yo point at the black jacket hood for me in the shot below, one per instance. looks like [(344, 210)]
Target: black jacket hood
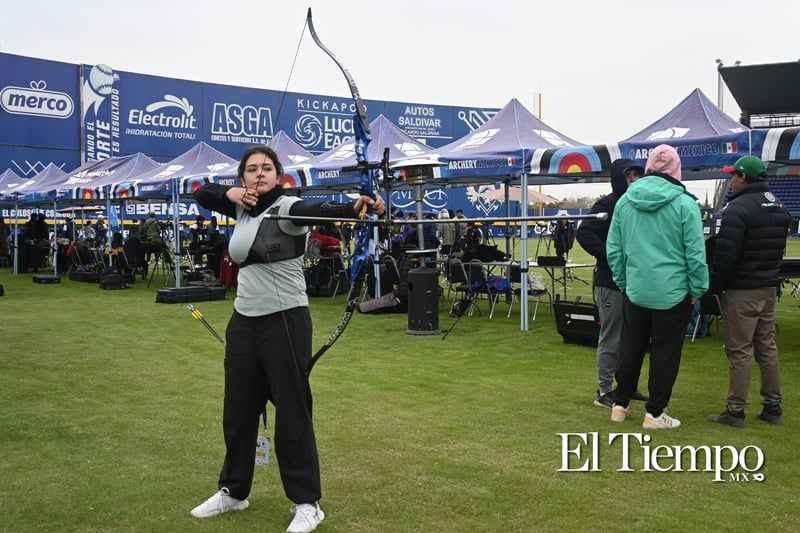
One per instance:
[(618, 183)]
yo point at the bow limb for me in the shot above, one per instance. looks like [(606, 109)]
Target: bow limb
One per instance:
[(361, 110), (361, 140)]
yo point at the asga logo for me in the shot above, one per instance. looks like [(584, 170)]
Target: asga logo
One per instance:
[(36, 101), (153, 116), (234, 119)]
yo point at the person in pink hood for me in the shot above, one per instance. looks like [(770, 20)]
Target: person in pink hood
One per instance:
[(657, 256)]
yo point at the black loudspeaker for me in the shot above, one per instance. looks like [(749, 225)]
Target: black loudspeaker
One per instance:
[(423, 301)]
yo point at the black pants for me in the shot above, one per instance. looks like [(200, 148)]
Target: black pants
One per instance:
[(660, 330), (265, 359)]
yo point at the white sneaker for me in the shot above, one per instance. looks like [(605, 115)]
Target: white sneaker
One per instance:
[(663, 421), (220, 502), (620, 413), (307, 517)]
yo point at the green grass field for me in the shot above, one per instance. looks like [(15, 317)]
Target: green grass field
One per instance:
[(111, 421)]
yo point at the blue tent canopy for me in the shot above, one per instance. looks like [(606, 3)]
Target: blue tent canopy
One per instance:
[(92, 181), (289, 153), (704, 136), (41, 186), (186, 172), (9, 181), (503, 146)]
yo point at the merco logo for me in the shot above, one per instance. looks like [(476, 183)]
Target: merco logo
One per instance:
[(36, 101)]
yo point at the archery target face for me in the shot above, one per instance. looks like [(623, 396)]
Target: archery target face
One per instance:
[(287, 181), (88, 193), (124, 190), (189, 185)]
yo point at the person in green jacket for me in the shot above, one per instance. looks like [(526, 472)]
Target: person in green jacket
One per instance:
[(657, 256)]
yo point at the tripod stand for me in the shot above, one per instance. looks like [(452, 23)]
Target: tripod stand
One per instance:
[(539, 231), (163, 262)]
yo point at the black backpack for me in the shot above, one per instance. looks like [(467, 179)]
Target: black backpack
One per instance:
[(112, 278)]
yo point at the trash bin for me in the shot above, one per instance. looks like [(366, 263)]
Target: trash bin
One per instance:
[(423, 305)]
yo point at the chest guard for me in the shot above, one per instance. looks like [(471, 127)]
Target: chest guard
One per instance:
[(272, 244)]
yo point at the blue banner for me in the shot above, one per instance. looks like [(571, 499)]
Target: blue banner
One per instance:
[(80, 113), (100, 113), (38, 103)]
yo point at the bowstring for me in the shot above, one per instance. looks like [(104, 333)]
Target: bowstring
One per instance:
[(272, 274), (291, 71)]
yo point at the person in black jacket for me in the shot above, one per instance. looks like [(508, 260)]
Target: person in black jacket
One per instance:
[(592, 235), (745, 271), (564, 237)]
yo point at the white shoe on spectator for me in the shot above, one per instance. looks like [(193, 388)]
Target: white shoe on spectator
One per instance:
[(663, 421), (620, 413)]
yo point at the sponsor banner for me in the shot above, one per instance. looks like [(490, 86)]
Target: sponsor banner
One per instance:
[(163, 210), (100, 112), (320, 123), (236, 118), (158, 116), (707, 152), (86, 113), (38, 103), (27, 162), (429, 124)]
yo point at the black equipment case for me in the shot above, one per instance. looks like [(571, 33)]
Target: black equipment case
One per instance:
[(577, 322), (176, 295), (45, 278)]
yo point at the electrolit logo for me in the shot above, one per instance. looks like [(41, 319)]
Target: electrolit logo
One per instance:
[(36, 101)]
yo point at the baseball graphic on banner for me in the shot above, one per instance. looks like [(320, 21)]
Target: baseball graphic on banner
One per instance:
[(101, 79)]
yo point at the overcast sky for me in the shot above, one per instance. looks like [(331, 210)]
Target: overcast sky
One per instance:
[(605, 70)]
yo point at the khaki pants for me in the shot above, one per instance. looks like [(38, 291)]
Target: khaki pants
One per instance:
[(750, 332)]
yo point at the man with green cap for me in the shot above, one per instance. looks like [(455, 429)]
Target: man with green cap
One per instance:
[(745, 273)]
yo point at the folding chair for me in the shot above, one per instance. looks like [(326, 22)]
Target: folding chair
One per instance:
[(458, 281), (710, 306), (515, 277), (454, 273), (479, 283)]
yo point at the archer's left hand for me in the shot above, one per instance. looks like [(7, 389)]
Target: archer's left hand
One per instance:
[(377, 204)]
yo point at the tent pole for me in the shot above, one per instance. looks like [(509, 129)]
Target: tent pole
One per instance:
[(54, 250), (108, 232), (177, 232), (523, 282), (16, 237)]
